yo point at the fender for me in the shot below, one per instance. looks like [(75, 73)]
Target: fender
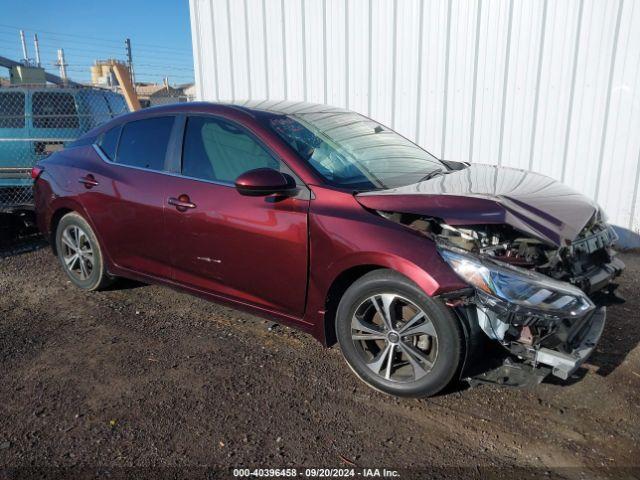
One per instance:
[(342, 237), (414, 272)]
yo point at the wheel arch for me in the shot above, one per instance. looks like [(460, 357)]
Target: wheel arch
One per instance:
[(354, 268), (334, 294), (62, 208), (53, 225)]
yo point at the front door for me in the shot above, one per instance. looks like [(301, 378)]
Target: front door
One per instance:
[(250, 249)]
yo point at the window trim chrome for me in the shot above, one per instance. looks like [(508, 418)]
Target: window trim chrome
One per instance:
[(106, 159), (180, 125)]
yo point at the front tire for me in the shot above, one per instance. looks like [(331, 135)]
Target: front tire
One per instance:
[(80, 254), (396, 338)]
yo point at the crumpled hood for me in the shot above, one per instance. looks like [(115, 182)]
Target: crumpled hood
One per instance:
[(486, 194)]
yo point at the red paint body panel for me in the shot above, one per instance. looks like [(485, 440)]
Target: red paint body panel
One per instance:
[(272, 256), (344, 235), (129, 216), (252, 249)]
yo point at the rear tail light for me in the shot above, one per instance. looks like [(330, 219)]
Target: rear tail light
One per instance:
[(36, 171)]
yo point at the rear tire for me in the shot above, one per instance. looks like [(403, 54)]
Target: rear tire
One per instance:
[(396, 338), (80, 254)]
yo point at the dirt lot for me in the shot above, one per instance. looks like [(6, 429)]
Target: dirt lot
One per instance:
[(145, 376)]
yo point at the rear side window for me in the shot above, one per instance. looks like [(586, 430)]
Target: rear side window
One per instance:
[(219, 151), (54, 110), (108, 142), (12, 110), (143, 143)]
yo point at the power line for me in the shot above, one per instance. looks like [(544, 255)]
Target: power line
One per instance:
[(143, 73), (157, 69), (91, 53), (49, 59), (113, 49), (172, 68), (96, 56), (177, 66), (61, 34), (86, 37), (155, 76)]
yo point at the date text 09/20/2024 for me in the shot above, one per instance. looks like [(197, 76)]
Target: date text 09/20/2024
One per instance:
[(316, 472)]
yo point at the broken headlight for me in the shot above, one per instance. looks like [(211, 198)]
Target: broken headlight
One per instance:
[(528, 290)]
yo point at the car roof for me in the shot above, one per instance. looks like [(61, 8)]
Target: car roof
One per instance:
[(284, 107), (252, 107)]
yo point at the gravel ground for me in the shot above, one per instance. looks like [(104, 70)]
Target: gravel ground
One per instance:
[(143, 376)]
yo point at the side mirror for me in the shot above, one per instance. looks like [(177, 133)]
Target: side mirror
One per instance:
[(265, 181)]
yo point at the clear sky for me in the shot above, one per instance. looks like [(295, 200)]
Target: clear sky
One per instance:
[(88, 30)]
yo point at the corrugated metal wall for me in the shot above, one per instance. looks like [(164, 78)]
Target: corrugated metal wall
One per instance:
[(552, 86)]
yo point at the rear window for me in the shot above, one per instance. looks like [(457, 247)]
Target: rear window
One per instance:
[(143, 143), (108, 142), (12, 110), (54, 110)]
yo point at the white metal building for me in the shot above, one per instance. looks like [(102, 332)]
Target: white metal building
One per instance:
[(547, 85)]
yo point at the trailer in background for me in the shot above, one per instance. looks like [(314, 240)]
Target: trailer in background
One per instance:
[(36, 120)]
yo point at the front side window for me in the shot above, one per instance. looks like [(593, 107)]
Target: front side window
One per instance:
[(218, 150), (12, 110), (54, 110), (351, 151), (143, 143)]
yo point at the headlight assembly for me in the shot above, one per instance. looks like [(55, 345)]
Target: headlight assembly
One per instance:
[(529, 291)]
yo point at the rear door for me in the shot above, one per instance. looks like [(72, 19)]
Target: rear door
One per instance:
[(125, 192), (250, 249)]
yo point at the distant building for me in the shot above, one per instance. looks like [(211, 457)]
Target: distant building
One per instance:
[(102, 73), (27, 75), (152, 94), (189, 90)]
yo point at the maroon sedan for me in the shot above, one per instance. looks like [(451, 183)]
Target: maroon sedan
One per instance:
[(425, 271)]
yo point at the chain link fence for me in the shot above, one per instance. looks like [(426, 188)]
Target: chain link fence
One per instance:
[(38, 120)]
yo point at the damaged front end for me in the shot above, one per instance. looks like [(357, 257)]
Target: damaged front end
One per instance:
[(546, 305)]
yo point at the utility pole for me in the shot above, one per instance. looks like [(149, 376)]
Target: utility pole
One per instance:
[(25, 54), (127, 44), (37, 47), (62, 65)]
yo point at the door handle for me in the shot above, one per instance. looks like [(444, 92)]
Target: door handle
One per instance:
[(88, 181), (182, 203)]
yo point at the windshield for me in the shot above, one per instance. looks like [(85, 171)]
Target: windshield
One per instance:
[(351, 151)]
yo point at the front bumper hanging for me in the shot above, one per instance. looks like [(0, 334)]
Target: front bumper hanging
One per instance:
[(585, 340), (528, 365)]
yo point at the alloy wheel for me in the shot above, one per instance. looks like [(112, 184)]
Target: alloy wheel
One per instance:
[(77, 252), (394, 337)]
